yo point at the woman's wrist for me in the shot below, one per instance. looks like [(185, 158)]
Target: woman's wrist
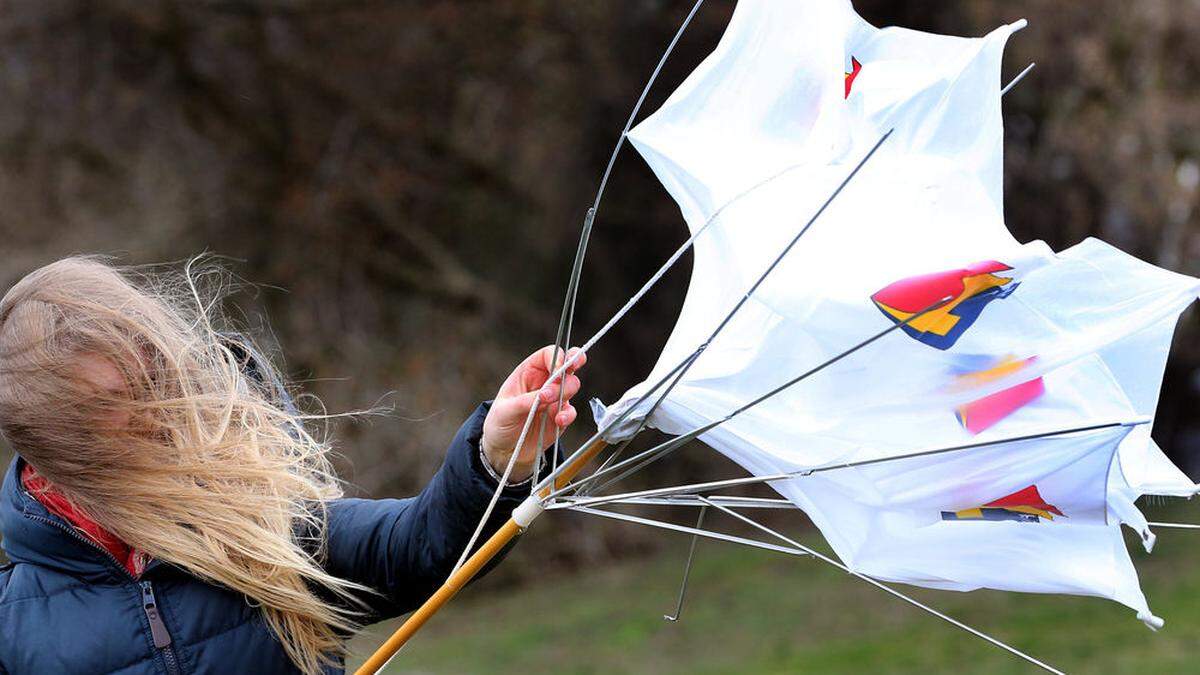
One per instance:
[(495, 461)]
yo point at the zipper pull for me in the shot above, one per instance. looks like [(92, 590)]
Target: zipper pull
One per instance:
[(158, 629)]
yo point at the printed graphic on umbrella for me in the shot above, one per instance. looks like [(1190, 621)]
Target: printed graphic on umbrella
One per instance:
[(1023, 506), (855, 66), (972, 288)]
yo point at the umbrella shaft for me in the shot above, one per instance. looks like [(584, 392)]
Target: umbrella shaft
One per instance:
[(478, 560), (449, 589)]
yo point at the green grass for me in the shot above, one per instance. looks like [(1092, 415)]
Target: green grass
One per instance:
[(758, 612)]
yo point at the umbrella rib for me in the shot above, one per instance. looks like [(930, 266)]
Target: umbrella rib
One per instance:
[(687, 568), (687, 362), (584, 486), (800, 473), (567, 317), (887, 589), (581, 485), (798, 549), (642, 99), (1016, 80), (635, 298), (694, 500), (684, 529), (659, 451)]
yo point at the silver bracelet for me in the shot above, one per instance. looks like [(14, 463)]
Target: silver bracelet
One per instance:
[(491, 470)]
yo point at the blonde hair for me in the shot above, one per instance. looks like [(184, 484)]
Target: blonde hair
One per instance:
[(190, 459)]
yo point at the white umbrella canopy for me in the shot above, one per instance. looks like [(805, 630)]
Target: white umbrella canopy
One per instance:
[(995, 339)]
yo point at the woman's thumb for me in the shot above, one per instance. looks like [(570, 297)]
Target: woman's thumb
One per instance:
[(514, 409)]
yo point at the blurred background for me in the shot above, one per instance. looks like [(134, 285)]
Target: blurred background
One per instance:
[(403, 184)]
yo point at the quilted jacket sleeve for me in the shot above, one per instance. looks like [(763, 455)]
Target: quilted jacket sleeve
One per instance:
[(405, 548)]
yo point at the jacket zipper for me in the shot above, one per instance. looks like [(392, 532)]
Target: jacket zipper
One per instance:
[(158, 629), (80, 538)]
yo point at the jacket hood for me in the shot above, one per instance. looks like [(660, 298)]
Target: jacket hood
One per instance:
[(34, 535)]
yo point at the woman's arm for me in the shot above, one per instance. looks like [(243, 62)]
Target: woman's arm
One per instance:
[(405, 548)]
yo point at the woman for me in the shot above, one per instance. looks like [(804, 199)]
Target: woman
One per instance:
[(170, 511)]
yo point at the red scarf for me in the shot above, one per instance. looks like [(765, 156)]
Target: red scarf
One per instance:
[(132, 559)]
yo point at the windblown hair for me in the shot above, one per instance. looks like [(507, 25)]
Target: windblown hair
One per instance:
[(190, 458)]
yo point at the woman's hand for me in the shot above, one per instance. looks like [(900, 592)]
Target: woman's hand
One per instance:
[(528, 385)]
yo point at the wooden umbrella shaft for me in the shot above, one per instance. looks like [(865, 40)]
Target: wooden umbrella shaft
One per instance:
[(476, 562)]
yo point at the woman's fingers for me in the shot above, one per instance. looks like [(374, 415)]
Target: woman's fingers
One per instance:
[(514, 409), (536, 370), (528, 386), (565, 417), (531, 373), (580, 358), (551, 392), (544, 359), (510, 411)]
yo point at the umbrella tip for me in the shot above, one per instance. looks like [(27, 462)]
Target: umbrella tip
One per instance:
[(1152, 622)]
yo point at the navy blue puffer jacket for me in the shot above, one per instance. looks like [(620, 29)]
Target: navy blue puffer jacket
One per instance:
[(67, 606)]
